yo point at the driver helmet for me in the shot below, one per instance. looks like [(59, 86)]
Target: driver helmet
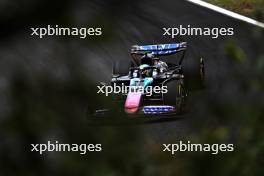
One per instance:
[(145, 73)]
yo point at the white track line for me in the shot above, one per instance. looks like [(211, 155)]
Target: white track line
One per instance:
[(227, 12)]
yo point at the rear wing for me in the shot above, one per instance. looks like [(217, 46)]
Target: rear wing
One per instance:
[(160, 49)]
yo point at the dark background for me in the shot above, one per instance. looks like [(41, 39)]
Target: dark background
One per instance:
[(46, 85)]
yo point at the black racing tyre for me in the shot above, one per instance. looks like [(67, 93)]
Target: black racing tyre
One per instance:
[(194, 73), (99, 105), (98, 100), (94, 106), (121, 67), (176, 95)]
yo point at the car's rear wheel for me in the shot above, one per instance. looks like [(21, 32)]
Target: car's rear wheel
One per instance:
[(194, 74), (176, 95)]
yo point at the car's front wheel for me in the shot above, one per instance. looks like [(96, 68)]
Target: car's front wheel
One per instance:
[(121, 67)]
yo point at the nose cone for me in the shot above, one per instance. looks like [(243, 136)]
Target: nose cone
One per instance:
[(131, 110), (132, 102)]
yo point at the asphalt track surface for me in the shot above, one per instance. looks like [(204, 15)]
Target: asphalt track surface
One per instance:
[(125, 24), (146, 28)]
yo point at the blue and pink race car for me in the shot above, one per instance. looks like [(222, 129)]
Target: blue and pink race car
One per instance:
[(151, 83)]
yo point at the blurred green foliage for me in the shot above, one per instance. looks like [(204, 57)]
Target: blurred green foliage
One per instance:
[(43, 107), (251, 8)]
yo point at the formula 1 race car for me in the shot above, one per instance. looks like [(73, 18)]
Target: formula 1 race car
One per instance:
[(147, 84)]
